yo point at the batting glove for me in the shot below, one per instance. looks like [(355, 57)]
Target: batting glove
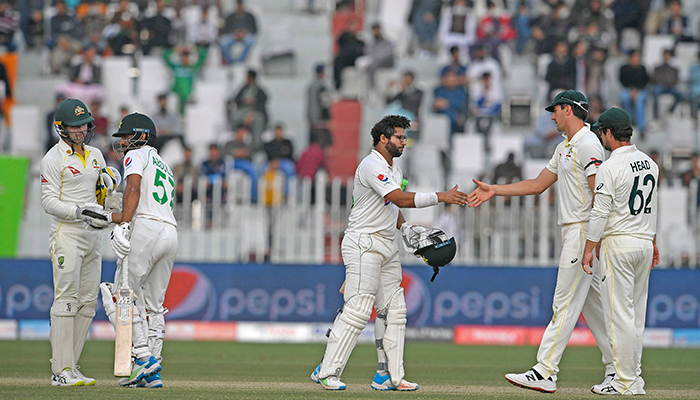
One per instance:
[(120, 239), (412, 235), (94, 216)]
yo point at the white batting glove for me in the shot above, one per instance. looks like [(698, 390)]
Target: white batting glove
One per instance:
[(94, 216), (120, 239), (412, 235), (110, 177)]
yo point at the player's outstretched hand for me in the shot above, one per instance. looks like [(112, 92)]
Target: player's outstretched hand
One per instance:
[(587, 262), (453, 196), (481, 194)]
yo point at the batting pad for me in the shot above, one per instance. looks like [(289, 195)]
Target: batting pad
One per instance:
[(81, 326), (394, 336), (343, 335), (61, 337)]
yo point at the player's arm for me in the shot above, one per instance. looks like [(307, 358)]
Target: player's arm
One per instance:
[(420, 200), (52, 181), (591, 184), (132, 195), (484, 191), (596, 227), (655, 258), (400, 221)]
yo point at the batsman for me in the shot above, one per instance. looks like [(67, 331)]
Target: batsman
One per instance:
[(371, 256), (147, 234), (74, 186)]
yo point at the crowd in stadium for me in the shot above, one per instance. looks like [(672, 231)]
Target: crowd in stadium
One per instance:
[(472, 43)]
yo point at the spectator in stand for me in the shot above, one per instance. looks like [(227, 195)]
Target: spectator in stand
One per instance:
[(677, 24), (51, 134), (380, 54), (633, 94), (424, 20), (9, 22), (457, 27), (184, 70), (593, 35), (548, 29), (487, 105), (545, 137), (497, 23), (451, 99), (5, 80), (483, 63), (102, 139), (238, 35), (88, 71), (456, 66), (123, 31), (318, 101), (251, 109), (665, 79), (596, 75), (561, 72), (204, 32), (694, 88), (155, 31), (92, 25), (312, 159), (596, 12), (579, 52), (350, 48), (186, 169), (628, 14), (31, 21), (241, 150), (215, 170), (509, 171), (409, 97), (692, 174), (521, 24), (663, 172), (167, 124), (64, 39), (282, 150)]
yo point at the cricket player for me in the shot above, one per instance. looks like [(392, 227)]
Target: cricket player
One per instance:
[(371, 256), (148, 235), (71, 172), (624, 216), (573, 166)]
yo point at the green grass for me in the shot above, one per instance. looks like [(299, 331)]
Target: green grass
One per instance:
[(204, 370)]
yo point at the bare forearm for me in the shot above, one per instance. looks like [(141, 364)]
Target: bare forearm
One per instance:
[(131, 200), (522, 188)]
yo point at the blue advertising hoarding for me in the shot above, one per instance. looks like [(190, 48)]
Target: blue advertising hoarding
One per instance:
[(309, 293)]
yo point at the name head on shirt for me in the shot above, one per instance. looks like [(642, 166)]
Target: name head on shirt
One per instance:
[(640, 165)]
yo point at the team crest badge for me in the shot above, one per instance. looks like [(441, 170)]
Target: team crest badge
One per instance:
[(61, 259), (95, 164), (79, 110)]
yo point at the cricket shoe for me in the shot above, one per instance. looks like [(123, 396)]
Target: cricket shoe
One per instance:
[(609, 389), (151, 382), (88, 381), (383, 382), (314, 375), (606, 382), (532, 380), (332, 383), (140, 370), (67, 377)]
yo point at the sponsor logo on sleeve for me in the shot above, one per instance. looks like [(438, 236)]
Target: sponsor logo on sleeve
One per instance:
[(127, 161), (600, 185), (383, 178), (44, 181)]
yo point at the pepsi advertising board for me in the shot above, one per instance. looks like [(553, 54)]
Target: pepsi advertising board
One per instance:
[(309, 293)]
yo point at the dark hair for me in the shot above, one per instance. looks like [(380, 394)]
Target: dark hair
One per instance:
[(621, 134), (580, 112), (213, 146), (409, 72), (252, 74), (387, 127), (454, 49)]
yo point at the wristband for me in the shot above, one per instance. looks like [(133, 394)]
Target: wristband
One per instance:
[(422, 200)]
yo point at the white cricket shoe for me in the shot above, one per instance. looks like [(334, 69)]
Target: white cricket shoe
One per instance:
[(314, 375), (332, 383), (67, 377), (532, 380), (606, 382), (88, 381), (383, 382), (609, 389)]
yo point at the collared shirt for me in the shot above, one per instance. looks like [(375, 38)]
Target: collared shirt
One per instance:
[(371, 213), (69, 180), (574, 161), (630, 179)]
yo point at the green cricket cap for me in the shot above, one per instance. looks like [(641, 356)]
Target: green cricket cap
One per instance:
[(570, 97), (614, 118)]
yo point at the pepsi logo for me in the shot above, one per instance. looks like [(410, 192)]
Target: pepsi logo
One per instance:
[(418, 300), (382, 178), (127, 162), (190, 295)]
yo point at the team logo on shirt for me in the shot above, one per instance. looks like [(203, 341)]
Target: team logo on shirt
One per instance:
[(44, 181), (74, 171), (127, 162), (600, 185), (95, 164), (382, 178), (61, 259)]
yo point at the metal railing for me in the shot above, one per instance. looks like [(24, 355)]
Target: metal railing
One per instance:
[(300, 222)]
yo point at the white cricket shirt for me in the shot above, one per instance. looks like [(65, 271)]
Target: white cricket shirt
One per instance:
[(157, 183), (371, 213), (631, 179), (574, 161), (68, 180)]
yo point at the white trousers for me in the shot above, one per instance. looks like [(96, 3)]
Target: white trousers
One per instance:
[(371, 266), (626, 263), (77, 262), (575, 292)]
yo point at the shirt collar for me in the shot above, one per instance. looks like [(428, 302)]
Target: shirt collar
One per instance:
[(380, 156), (65, 147), (581, 132), (624, 149)]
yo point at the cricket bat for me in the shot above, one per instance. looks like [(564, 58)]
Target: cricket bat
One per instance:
[(124, 320)]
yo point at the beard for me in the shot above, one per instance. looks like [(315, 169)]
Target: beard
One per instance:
[(394, 150)]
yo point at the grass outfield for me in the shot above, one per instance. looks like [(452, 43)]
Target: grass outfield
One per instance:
[(203, 370)]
